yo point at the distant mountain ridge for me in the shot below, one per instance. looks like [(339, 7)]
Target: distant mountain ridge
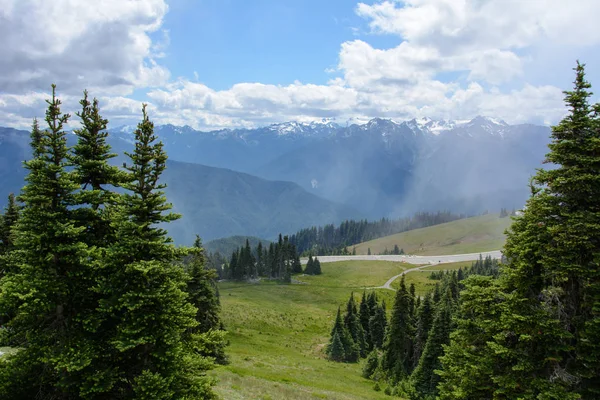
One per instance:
[(215, 202), (380, 167)]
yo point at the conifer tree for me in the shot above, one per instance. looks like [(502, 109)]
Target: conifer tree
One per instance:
[(145, 315), (364, 315), (310, 268), (352, 323), (336, 349), (424, 378), (351, 349), (202, 293), (377, 326), (317, 267), (47, 325), (398, 347), (371, 365), (423, 325), (96, 177), (8, 220)]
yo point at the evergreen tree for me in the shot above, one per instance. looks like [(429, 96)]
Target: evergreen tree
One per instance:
[(369, 251), (364, 316), (336, 349), (202, 293), (144, 314), (398, 346), (339, 331), (47, 326), (317, 267), (90, 157), (424, 378), (296, 264), (352, 323), (424, 322), (371, 365), (8, 220), (260, 260), (310, 267), (377, 326)]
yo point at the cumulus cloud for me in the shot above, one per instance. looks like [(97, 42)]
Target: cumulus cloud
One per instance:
[(454, 59), (102, 45)]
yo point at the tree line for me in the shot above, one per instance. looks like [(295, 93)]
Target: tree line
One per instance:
[(332, 240), (94, 296), (279, 261)]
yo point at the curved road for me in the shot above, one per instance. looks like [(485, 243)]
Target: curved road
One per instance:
[(423, 261)]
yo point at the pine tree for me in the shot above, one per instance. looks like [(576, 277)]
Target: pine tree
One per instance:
[(377, 326), (47, 325), (336, 349), (353, 325), (398, 346), (317, 267), (423, 325), (8, 221), (364, 316), (145, 315), (369, 251), (424, 378), (96, 177), (296, 264), (371, 365), (351, 349), (202, 293), (310, 268)]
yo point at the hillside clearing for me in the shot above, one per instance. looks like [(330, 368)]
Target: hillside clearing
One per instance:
[(470, 235), (278, 334)]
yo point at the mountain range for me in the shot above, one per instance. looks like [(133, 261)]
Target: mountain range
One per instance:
[(381, 167), (287, 176)]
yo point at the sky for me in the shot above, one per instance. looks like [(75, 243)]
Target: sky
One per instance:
[(215, 64)]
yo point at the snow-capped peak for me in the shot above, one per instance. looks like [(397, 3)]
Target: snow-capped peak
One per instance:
[(294, 127)]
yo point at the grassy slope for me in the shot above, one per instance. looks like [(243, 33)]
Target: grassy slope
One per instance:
[(471, 235), (278, 333)]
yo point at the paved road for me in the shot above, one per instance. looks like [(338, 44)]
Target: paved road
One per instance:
[(419, 260)]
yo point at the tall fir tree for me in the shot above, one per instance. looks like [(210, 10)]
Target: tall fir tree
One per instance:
[(202, 292), (423, 325), (145, 314), (364, 315), (90, 160), (8, 221), (398, 346), (352, 323), (424, 378), (44, 295)]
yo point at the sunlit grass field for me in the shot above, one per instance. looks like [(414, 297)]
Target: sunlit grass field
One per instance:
[(470, 235)]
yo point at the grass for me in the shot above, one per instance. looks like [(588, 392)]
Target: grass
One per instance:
[(278, 334), (470, 235)]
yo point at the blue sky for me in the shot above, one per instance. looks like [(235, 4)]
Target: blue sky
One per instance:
[(275, 42), (218, 64)]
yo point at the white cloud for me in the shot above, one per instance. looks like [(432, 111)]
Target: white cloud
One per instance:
[(103, 45), (455, 59)]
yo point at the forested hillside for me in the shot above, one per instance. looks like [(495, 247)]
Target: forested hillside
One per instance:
[(332, 240)]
